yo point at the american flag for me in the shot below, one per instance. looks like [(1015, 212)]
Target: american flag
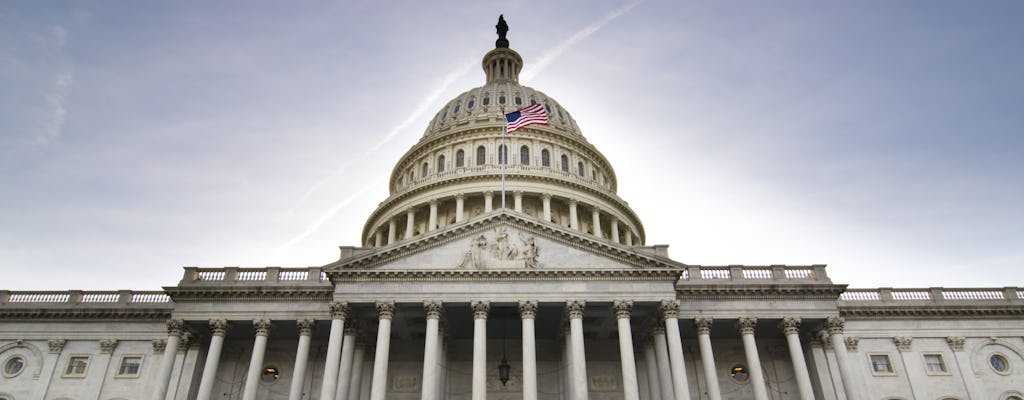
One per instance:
[(534, 114)]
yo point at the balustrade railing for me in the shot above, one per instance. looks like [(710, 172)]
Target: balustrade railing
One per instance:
[(754, 274), (79, 297), (256, 276), (934, 295)]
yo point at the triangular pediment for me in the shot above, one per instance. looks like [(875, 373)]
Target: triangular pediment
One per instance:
[(503, 241)]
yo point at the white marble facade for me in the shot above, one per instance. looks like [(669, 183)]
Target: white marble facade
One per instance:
[(449, 285)]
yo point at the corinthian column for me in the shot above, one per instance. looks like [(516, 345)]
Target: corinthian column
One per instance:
[(339, 311), (579, 359), (630, 387), (746, 328), (707, 357), (835, 327), (546, 204), (670, 312), (432, 219), (791, 327), (385, 311), (219, 329), (574, 221), (175, 328), (301, 358), (527, 312), (348, 346), (480, 310), (430, 351), (661, 355), (410, 223), (259, 349), (460, 201)]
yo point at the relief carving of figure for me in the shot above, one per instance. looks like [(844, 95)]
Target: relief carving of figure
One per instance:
[(530, 252), (502, 249), (475, 255)]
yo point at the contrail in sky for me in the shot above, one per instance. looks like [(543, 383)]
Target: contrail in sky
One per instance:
[(553, 54), (319, 221)]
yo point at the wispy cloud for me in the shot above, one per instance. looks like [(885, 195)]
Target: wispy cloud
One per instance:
[(551, 55), (323, 218), (56, 94)]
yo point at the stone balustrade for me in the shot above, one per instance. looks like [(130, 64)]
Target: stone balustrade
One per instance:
[(935, 295), (80, 298), (754, 274), (254, 276)]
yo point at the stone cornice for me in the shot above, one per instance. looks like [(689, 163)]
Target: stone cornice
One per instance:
[(250, 293), (503, 275), (908, 311), (621, 253), (86, 314), (758, 291)]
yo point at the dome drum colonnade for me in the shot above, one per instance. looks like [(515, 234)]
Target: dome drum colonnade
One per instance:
[(660, 352)]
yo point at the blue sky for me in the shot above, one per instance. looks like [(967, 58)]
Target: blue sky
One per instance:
[(882, 138)]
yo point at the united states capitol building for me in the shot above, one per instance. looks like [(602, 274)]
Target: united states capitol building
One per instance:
[(461, 290)]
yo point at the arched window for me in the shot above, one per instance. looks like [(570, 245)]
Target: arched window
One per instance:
[(470, 104), (524, 155), (481, 155), (519, 101), (565, 163), (502, 155), (457, 108), (579, 167), (460, 158), (545, 158), (426, 168), (440, 163)]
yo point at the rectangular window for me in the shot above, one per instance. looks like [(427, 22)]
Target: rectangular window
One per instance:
[(935, 365), (130, 366), (880, 364), (77, 366)]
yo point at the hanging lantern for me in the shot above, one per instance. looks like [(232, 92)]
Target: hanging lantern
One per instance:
[(503, 371)]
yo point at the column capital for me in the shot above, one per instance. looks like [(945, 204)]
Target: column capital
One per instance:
[(187, 340), (56, 345), (305, 326), (517, 192), (746, 325), (703, 325), (433, 309), (488, 193), (573, 202), (822, 338), (339, 309), (480, 309), (175, 327), (669, 308), (219, 326), (460, 196), (262, 326), (903, 343), (433, 202), (107, 346), (545, 196), (622, 308), (527, 309), (956, 343), (835, 325), (159, 345), (410, 211), (790, 325), (851, 343), (575, 308), (385, 309)]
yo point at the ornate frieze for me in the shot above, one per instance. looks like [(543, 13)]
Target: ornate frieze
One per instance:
[(385, 309), (56, 345), (703, 325), (480, 309), (527, 309), (305, 326), (790, 325), (107, 346), (433, 309), (903, 343), (219, 326), (575, 308), (622, 308), (956, 343), (339, 310), (746, 325)]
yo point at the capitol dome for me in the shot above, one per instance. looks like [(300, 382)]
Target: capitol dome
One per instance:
[(454, 173)]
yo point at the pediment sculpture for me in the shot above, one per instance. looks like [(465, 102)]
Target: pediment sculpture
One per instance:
[(500, 251)]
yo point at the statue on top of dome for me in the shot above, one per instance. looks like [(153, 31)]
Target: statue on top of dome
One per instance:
[(502, 28)]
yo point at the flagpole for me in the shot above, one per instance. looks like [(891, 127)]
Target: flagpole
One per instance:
[(504, 128)]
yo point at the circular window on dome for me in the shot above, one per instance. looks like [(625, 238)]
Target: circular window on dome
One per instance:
[(519, 101), (13, 366), (739, 373), (470, 104), (487, 101), (999, 363), (270, 375)]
